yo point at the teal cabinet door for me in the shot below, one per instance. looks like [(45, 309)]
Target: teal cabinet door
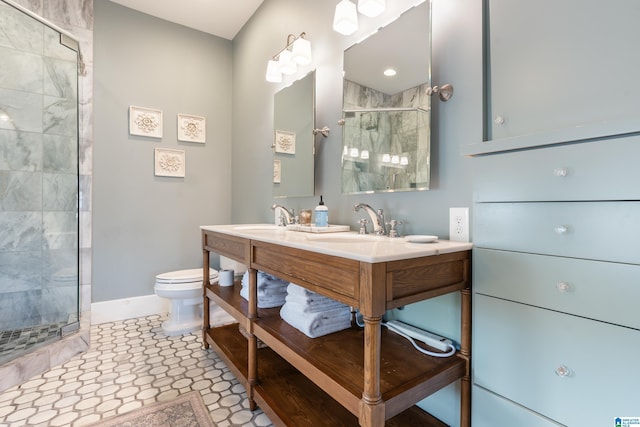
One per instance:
[(556, 64), (491, 410), (606, 291), (607, 231), (576, 371)]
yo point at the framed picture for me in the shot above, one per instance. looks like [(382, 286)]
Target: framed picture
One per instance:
[(145, 122), (169, 162), (277, 171), (192, 128), (285, 142)]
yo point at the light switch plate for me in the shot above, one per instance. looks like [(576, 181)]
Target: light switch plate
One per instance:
[(459, 224)]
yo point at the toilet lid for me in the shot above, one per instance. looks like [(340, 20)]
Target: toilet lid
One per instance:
[(185, 276)]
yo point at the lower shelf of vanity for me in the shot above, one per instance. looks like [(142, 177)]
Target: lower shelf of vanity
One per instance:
[(288, 390)]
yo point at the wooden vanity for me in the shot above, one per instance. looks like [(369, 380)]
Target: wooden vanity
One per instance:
[(368, 377)]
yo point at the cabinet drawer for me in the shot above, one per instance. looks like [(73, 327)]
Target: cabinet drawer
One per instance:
[(490, 410), (603, 170), (519, 349), (598, 290), (607, 231)]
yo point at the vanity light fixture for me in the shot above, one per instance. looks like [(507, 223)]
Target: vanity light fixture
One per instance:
[(371, 8), (345, 19), (286, 61)]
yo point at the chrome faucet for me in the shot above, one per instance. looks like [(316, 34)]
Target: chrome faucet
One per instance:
[(377, 218), (286, 215)]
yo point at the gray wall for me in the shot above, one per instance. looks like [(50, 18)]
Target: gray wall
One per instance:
[(145, 225), (457, 59)]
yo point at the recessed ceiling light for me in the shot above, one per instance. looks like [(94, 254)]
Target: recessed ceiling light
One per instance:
[(389, 72)]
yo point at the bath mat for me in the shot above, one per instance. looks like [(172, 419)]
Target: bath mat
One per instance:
[(187, 410)]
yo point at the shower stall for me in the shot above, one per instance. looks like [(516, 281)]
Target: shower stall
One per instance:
[(39, 183)]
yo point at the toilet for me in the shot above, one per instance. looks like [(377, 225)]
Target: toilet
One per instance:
[(183, 289)]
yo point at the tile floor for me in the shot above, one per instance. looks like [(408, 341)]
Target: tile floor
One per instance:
[(130, 364)]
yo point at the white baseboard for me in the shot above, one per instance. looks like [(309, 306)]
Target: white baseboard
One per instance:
[(127, 308), (130, 308)]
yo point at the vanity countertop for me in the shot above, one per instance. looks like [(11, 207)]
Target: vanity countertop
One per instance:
[(350, 245)]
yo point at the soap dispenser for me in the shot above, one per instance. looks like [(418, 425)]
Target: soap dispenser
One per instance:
[(322, 214)]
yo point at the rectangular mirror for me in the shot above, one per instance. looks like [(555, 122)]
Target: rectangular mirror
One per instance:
[(293, 143), (386, 111)]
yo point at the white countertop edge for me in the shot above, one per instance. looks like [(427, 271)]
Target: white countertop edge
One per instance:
[(372, 249)]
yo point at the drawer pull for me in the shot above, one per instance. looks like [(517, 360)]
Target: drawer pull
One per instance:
[(560, 172), (563, 371), (563, 287), (561, 229)]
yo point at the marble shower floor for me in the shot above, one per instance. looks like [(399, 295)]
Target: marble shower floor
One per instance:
[(130, 364)]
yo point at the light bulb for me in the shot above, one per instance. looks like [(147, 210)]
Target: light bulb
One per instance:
[(364, 155), (285, 63), (345, 20), (404, 160), (354, 152), (273, 72), (371, 8), (395, 160), (386, 158), (302, 51)]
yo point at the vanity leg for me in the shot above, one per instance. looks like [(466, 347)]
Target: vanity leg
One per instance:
[(465, 351), (205, 300), (252, 376), (372, 407)]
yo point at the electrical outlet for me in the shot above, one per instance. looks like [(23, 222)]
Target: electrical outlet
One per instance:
[(459, 224)]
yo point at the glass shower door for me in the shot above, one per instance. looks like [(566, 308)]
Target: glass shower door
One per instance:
[(39, 262)]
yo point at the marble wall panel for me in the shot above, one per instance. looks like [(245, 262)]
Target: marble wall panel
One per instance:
[(20, 309), (59, 230), (20, 191), (19, 31), (19, 272), (20, 70), (60, 116), (70, 13), (20, 110), (20, 151), (60, 192), (59, 304), (22, 231), (60, 79), (59, 154)]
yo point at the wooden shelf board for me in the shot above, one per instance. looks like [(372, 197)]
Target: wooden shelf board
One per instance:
[(287, 396), (335, 361)]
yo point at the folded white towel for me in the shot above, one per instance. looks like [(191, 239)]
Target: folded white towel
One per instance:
[(317, 324), (272, 290), (314, 307)]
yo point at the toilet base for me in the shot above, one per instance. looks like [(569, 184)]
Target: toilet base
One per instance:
[(185, 316)]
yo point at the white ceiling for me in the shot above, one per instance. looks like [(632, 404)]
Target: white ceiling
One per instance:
[(222, 18)]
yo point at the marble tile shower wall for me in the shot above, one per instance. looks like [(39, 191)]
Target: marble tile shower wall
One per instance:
[(38, 171), (385, 132), (75, 17)]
